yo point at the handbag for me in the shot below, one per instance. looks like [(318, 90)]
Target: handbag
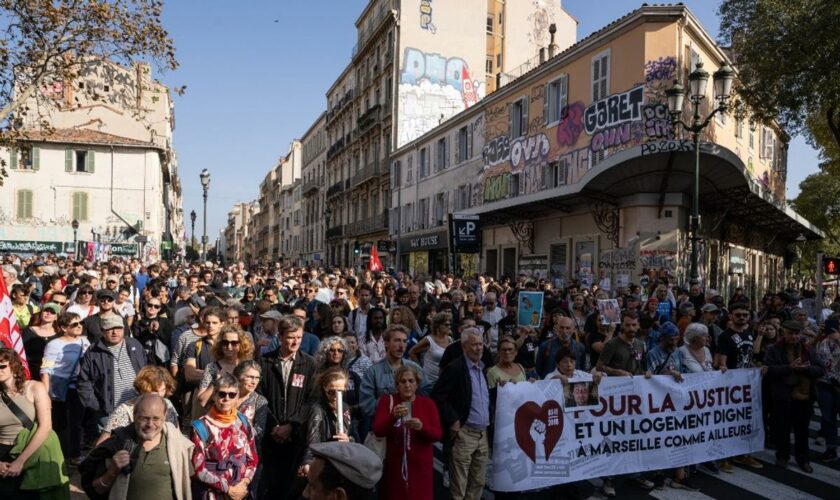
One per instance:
[(60, 385), (378, 444)]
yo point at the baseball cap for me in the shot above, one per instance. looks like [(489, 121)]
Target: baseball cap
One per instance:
[(272, 314), (710, 308), (668, 329)]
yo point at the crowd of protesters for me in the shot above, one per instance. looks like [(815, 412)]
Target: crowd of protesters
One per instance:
[(210, 381)]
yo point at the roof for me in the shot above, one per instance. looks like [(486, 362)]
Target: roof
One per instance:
[(85, 136)]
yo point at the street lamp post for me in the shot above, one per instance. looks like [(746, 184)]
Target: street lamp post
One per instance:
[(205, 184), (75, 225), (328, 218), (192, 223), (800, 240), (697, 81)]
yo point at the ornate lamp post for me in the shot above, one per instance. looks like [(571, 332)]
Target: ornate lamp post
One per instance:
[(328, 218), (697, 81), (192, 223), (75, 225), (205, 184)]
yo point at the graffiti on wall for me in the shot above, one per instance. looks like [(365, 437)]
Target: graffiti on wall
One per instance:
[(663, 68), (426, 16), (657, 122), (571, 125), (526, 151), (575, 163), (614, 110), (432, 88), (496, 151), (538, 22)]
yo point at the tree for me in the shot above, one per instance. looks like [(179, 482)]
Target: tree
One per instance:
[(45, 43), (819, 202), (786, 52)]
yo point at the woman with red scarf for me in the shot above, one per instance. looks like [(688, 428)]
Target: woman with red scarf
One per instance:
[(225, 457)]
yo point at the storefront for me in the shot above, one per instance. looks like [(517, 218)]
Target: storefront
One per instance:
[(425, 254), (35, 247)]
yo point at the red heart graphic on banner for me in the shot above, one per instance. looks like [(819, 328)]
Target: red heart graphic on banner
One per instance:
[(532, 421)]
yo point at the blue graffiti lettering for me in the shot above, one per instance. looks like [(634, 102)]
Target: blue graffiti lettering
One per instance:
[(432, 67)]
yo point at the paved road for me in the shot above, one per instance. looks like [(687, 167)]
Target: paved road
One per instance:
[(744, 483)]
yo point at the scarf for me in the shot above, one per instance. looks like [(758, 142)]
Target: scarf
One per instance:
[(223, 418)]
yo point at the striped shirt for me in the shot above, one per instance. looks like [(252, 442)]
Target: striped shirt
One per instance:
[(123, 374)]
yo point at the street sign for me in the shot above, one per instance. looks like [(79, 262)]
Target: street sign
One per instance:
[(466, 233)]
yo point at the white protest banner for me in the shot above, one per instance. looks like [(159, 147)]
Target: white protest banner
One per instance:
[(640, 425)]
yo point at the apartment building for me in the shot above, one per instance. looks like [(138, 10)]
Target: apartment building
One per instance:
[(236, 232), (575, 171), (314, 191), (412, 69), (106, 162)]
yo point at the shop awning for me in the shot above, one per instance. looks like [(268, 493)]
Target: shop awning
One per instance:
[(725, 185)]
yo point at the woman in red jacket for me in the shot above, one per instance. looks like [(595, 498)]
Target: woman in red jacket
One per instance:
[(411, 424)]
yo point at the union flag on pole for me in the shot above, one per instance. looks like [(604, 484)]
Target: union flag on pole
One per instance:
[(9, 330), (375, 263)]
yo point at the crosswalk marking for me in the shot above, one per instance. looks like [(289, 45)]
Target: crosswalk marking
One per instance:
[(675, 494), (821, 473), (762, 486)]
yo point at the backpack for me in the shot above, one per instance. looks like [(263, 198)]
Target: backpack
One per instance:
[(204, 435)]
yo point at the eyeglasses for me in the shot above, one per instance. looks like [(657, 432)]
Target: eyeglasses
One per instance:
[(231, 343), (339, 350), (226, 395), (153, 306)]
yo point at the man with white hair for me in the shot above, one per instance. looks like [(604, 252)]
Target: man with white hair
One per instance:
[(492, 315)]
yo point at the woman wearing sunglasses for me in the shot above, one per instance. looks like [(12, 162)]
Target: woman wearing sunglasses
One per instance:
[(36, 336), (59, 371), (225, 456), (84, 304), (232, 347)]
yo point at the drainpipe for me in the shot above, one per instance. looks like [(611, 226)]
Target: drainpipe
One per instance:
[(120, 217)]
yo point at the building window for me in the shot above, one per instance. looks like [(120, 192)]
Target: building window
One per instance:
[(24, 204), (442, 155), (440, 208), (80, 207), (600, 76), (424, 213), (489, 24), (424, 163), (488, 66), (464, 145), (25, 159), (79, 161), (409, 176), (557, 98), (739, 128), (518, 118), (752, 134), (557, 174)]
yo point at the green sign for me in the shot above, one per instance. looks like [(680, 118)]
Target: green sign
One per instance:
[(124, 249), (165, 245), (31, 246)]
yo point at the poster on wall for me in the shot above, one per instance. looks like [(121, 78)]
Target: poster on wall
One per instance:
[(584, 255), (530, 309)]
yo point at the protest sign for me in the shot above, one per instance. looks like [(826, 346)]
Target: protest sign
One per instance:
[(529, 309), (610, 311), (640, 425)]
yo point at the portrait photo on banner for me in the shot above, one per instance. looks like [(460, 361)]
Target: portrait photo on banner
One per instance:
[(610, 311), (581, 394), (530, 309)]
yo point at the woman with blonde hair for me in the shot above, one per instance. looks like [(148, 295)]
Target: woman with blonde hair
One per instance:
[(150, 379), (233, 347), (432, 346)]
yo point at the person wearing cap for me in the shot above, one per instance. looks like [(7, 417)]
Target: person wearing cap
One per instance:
[(36, 336), (267, 340), (792, 370), (36, 280), (710, 315), (92, 325), (108, 368), (664, 359), (346, 471), (828, 387)]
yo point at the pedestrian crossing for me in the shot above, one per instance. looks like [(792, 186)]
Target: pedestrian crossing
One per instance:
[(743, 483)]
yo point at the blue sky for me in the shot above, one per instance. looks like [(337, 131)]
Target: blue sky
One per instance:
[(257, 72)]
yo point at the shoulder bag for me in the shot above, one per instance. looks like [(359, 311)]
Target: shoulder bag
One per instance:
[(378, 444)]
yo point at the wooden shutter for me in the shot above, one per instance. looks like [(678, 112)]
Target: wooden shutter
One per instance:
[(35, 157), (68, 160), (24, 204), (446, 151), (458, 144), (524, 116), (13, 158), (510, 107), (470, 138), (90, 162)]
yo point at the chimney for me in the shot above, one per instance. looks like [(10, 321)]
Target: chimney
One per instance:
[(542, 55), (552, 48)]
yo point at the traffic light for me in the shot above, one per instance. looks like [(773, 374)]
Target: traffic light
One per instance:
[(357, 249), (831, 265)]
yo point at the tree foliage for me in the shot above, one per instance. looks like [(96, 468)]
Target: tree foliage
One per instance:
[(819, 202), (46, 42), (788, 57)]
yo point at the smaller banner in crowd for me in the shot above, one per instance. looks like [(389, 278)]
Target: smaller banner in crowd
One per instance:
[(636, 425), (530, 309)]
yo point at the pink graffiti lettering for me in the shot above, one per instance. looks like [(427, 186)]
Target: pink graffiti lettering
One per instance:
[(571, 125), (657, 122), (610, 137)]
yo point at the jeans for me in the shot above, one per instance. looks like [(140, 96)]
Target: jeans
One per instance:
[(829, 399)]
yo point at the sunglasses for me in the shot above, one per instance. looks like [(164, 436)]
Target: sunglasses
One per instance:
[(226, 395), (62, 304), (106, 299), (48, 311), (86, 292), (232, 343), (153, 306), (74, 324), (3, 367), (335, 350)]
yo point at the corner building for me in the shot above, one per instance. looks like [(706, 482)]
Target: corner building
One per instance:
[(575, 171), (415, 65)]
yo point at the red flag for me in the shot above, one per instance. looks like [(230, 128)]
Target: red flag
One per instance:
[(375, 263), (9, 330)]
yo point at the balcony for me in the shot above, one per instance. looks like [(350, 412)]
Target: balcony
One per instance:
[(335, 232), (368, 118), (370, 225), (335, 189), (366, 33), (346, 99), (336, 148), (370, 171), (311, 185)]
